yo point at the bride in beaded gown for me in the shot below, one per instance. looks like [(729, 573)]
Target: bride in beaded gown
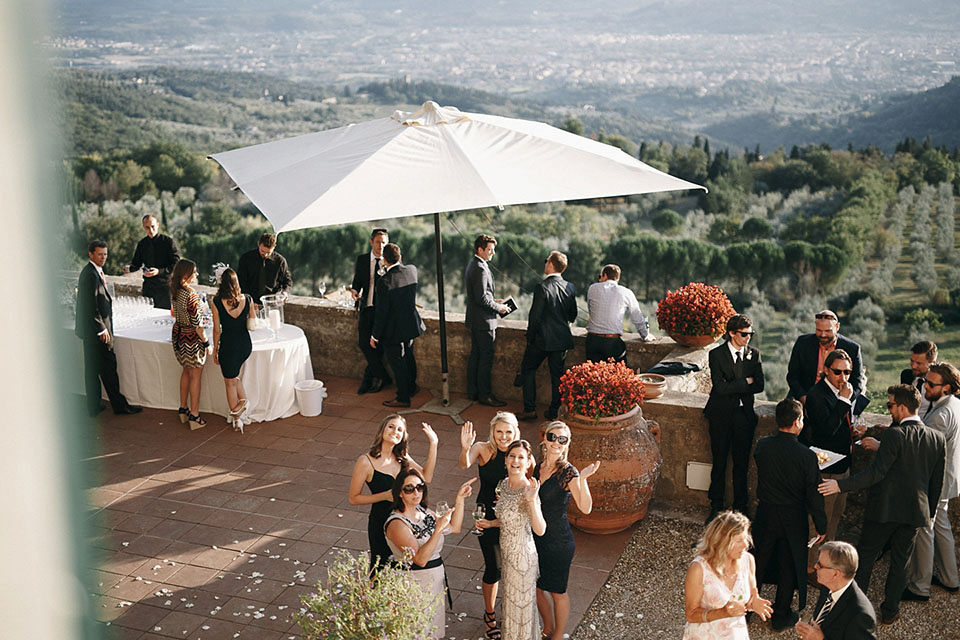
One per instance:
[(518, 516)]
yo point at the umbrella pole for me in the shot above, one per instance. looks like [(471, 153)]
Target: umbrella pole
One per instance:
[(444, 381)]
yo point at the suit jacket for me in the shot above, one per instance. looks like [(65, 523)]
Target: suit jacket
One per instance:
[(482, 310), (729, 389), (554, 308), (907, 377), (361, 280), (945, 418), (94, 305), (787, 479), (851, 618), (905, 476), (802, 369), (395, 316), (828, 423)]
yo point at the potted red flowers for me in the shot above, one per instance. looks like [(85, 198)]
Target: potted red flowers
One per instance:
[(601, 406), (694, 315)]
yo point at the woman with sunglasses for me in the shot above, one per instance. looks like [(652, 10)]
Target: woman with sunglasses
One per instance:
[(519, 517), (413, 528), (491, 459), (378, 468), (559, 480)]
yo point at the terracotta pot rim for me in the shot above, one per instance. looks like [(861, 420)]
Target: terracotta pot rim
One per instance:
[(606, 419)]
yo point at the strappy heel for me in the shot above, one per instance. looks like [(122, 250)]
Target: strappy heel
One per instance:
[(490, 619), (196, 422), (182, 413)]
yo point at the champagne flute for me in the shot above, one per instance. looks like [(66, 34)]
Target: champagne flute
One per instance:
[(322, 288), (478, 515)]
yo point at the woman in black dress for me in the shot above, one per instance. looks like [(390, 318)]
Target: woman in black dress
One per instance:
[(378, 468), (558, 481), (231, 341), (490, 457)]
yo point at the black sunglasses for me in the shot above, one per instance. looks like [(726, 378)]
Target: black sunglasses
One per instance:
[(932, 385), (411, 488), (553, 437), (841, 372), (825, 316), (746, 334)]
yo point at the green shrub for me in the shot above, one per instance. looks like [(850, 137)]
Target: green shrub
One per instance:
[(918, 317)]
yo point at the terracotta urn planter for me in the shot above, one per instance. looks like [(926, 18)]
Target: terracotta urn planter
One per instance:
[(692, 341), (630, 462)]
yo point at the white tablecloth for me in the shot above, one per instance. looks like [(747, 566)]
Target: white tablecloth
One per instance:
[(150, 374)]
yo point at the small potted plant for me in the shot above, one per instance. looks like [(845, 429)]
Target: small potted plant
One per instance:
[(601, 406), (694, 315)]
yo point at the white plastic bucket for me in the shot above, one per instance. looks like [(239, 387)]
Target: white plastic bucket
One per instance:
[(310, 395)]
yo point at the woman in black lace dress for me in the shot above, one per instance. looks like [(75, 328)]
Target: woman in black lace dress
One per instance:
[(559, 480)]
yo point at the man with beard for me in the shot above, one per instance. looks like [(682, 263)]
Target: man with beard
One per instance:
[(810, 350)]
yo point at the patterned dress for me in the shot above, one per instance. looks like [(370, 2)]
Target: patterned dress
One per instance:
[(716, 595), (519, 558), (187, 310), (431, 579)]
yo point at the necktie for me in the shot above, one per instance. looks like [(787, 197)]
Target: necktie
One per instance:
[(929, 407), (739, 357), (827, 605)]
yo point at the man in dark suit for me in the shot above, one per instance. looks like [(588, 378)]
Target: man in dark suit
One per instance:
[(843, 611), (156, 254), (905, 479), (548, 335), (922, 355), (787, 479), (737, 374), (397, 323), (94, 325), (810, 350), (365, 278), (831, 405), (481, 319)]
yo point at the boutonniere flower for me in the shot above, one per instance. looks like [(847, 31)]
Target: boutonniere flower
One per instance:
[(749, 354)]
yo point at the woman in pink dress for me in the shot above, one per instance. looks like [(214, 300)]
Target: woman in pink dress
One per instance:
[(721, 583)]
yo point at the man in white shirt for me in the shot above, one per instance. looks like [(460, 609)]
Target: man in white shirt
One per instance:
[(842, 611), (608, 301)]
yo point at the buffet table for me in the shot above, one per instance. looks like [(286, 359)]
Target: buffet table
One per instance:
[(150, 374)]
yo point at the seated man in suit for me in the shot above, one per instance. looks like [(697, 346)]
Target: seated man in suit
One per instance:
[(922, 355), (810, 350), (831, 405), (737, 374), (842, 611)]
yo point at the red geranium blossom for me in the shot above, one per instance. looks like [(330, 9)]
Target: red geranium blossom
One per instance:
[(601, 389), (695, 310)]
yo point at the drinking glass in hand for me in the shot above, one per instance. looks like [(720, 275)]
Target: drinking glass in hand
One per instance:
[(478, 515)]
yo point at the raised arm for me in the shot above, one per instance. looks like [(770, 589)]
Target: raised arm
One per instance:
[(580, 490), (532, 495), (456, 521)]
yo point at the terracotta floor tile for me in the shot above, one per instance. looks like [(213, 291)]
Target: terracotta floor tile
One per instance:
[(324, 534), (245, 502), (285, 444), (309, 513), (263, 589), (180, 624), (225, 584), (257, 523), (138, 523), (213, 497), (141, 616), (216, 558), (216, 629), (122, 563), (181, 552), (131, 589), (191, 576), (226, 518)]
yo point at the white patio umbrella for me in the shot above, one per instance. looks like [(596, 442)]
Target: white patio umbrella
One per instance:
[(433, 160)]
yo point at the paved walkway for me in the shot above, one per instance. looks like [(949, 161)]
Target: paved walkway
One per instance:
[(214, 534)]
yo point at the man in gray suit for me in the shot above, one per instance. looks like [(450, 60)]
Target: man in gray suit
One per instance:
[(905, 479), (548, 335), (934, 560), (482, 313)]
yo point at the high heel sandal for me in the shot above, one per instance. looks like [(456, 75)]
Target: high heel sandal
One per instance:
[(490, 619), (182, 413), (196, 422)]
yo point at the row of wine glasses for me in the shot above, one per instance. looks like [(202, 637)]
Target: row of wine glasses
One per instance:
[(129, 311), (343, 297)]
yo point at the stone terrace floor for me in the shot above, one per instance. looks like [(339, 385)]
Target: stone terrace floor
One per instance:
[(216, 534)]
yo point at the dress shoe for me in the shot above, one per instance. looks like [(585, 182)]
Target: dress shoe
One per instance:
[(396, 403), (913, 597), (127, 410), (781, 624), (493, 402), (365, 387), (936, 582), (527, 415), (885, 620), (376, 385)]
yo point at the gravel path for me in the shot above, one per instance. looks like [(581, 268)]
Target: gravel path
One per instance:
[(643, 597)]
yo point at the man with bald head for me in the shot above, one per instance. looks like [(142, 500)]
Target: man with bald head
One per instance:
[(156, 254)]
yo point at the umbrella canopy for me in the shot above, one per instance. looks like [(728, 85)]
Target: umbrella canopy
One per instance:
[(432, 160)]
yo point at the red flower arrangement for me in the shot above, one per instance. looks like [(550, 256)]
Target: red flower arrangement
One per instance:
[(601, 389), (695, 310)]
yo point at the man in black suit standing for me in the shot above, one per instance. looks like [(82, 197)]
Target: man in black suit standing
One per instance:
[(481, 319), (843, 612), (554, 307), (787, 479), (365, 278), (156, 254), (831, 405), (94, 325), (737, 374), (811, 349), (905, 479), (922, 355), (397, 323)]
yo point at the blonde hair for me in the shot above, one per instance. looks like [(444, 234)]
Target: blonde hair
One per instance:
[(556, 425), (719, 535), (506, 418)]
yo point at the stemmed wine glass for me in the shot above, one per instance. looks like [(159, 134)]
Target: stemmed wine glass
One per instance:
[(322, 288), (478, 515)]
